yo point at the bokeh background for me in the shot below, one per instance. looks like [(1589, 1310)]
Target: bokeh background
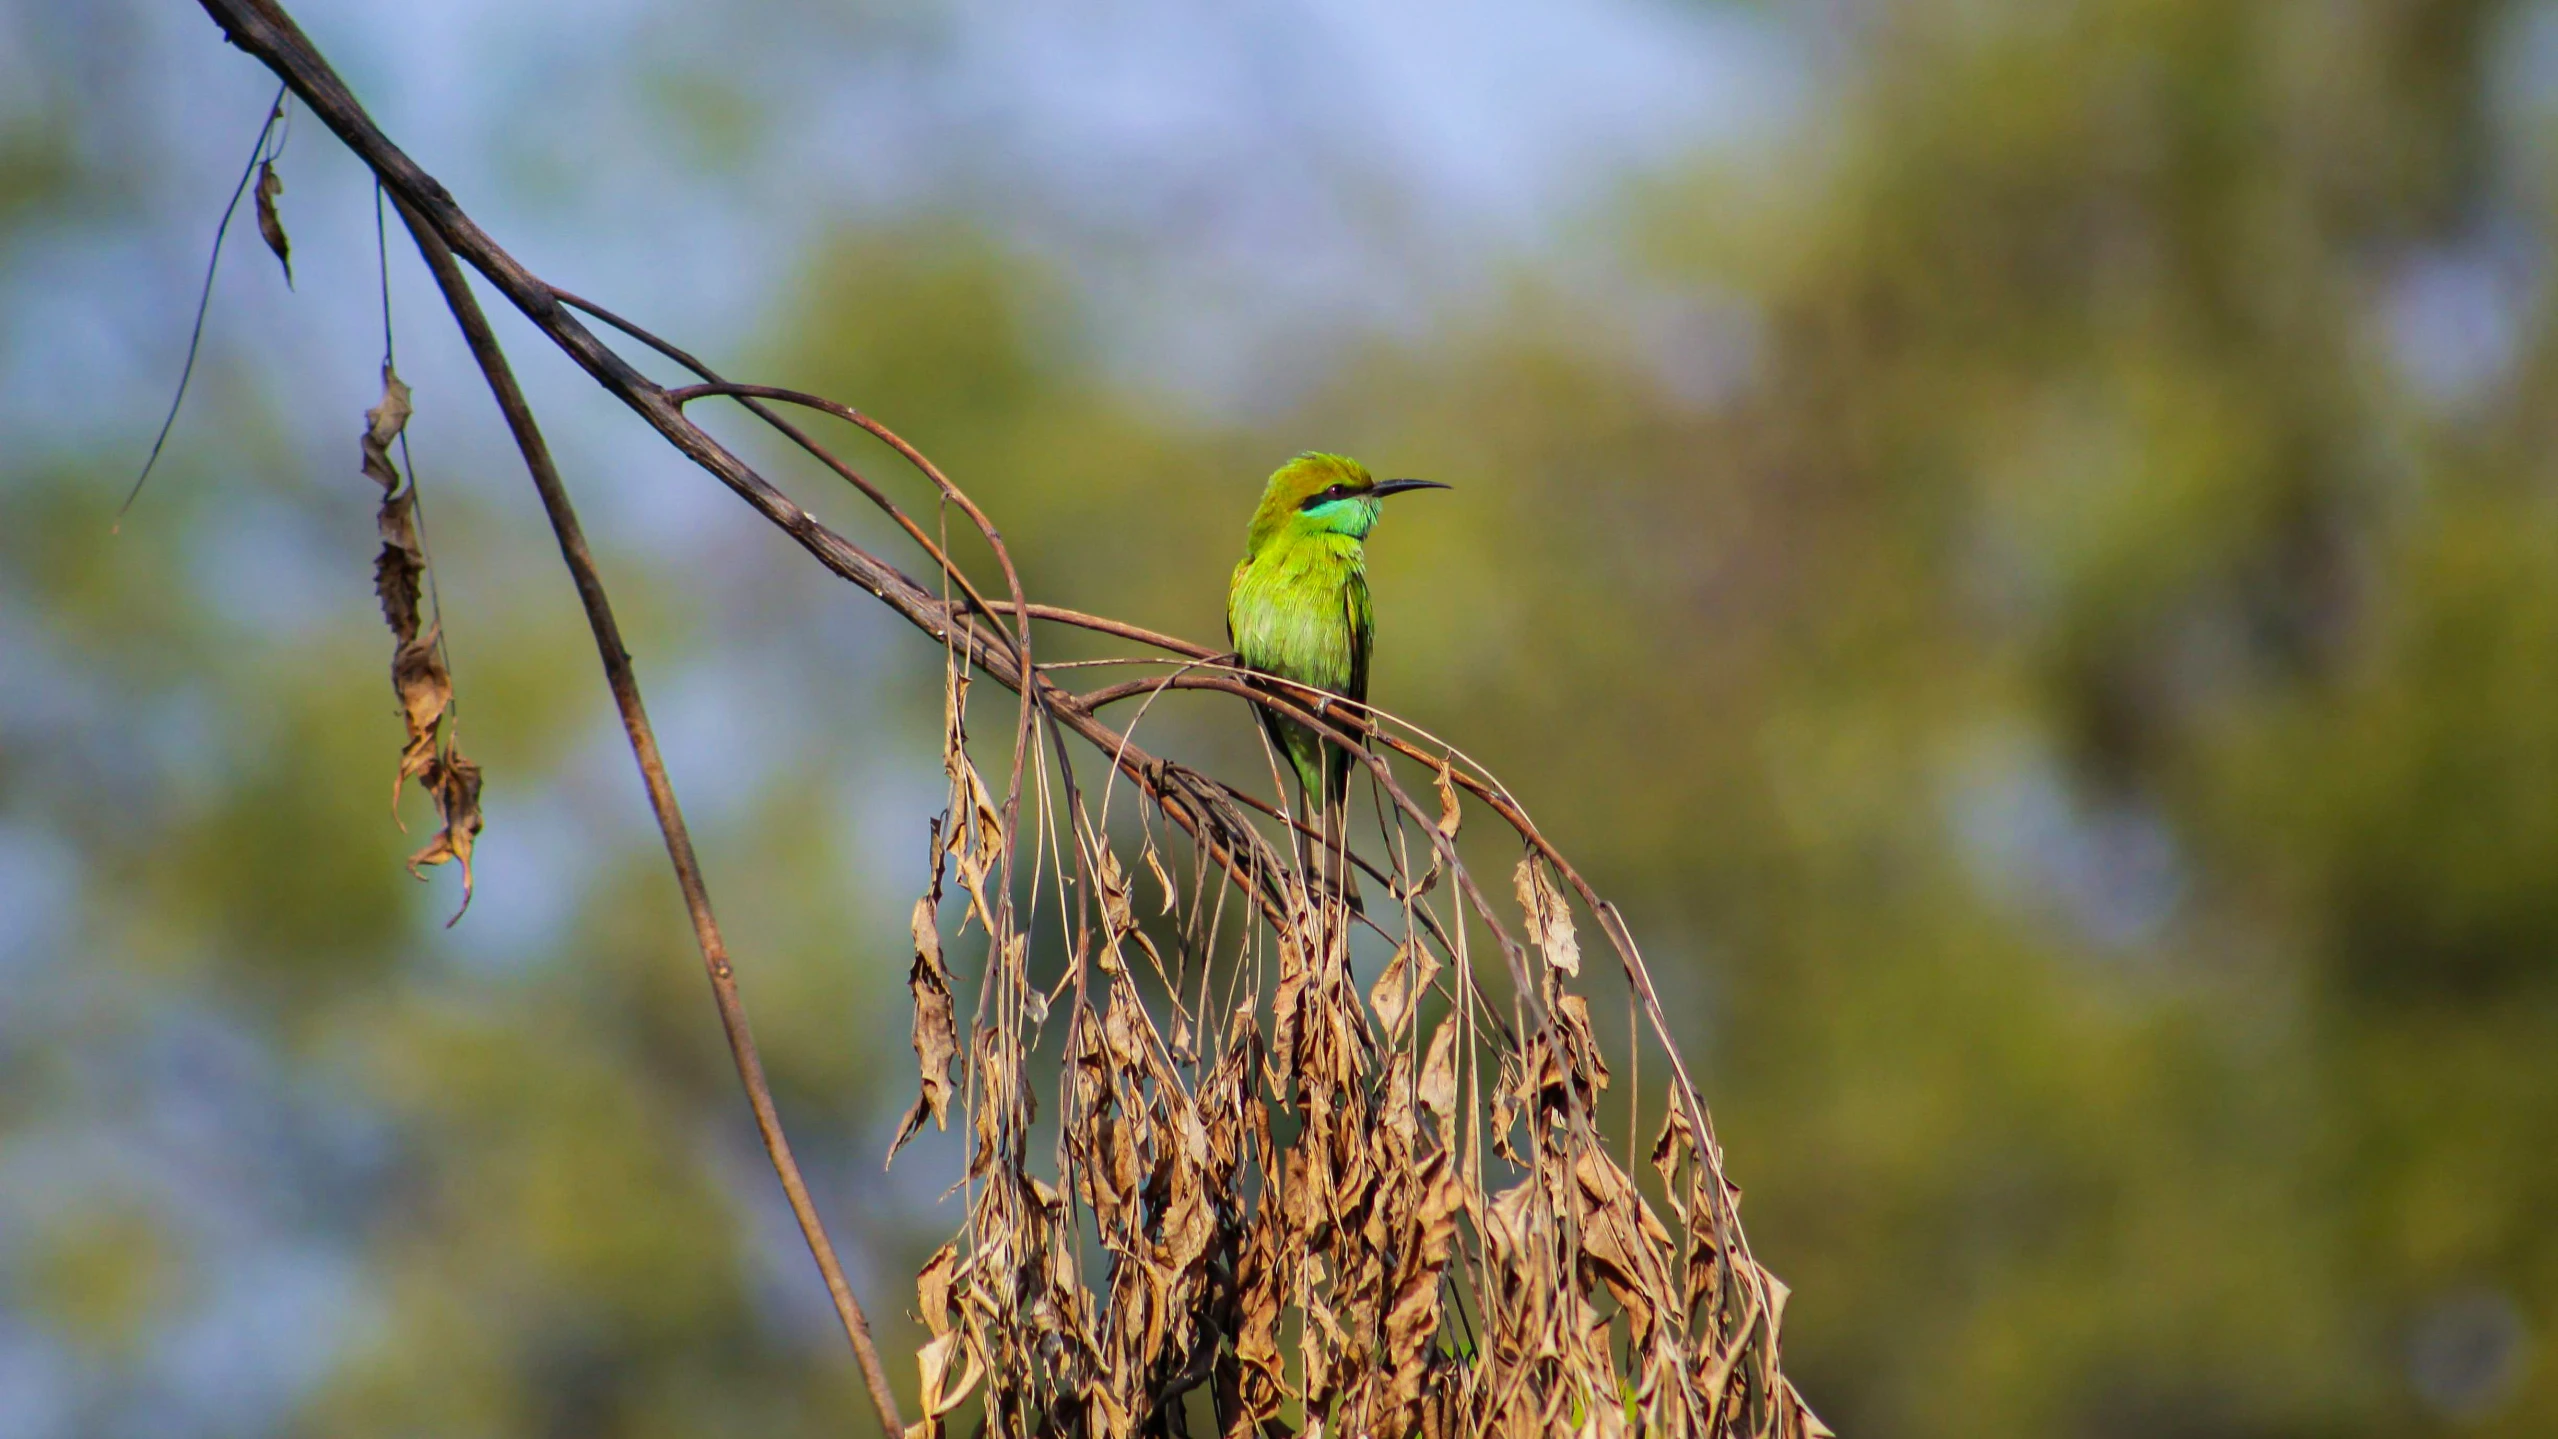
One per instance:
[(2019, 539)]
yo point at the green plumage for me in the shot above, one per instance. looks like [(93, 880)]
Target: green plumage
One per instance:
[(1298, 606)]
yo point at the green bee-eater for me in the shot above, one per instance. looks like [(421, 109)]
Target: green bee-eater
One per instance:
[(1298, 609)]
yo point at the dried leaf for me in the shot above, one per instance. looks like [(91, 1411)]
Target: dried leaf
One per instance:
[(1624, 1240), (382, 425), (1451, 814), (1505, 1115), (1106, 1415), (397, 569), (418, 673), (1579, 1045), (1439, 1075), (1397, 992), (1172, 895), (270, 224), (1676, 1133), (932, 1289), (1549, 917), (1413, 1315), (1118, 905), (1510, 1223), (402, 561), (454, 783), (940, 1394), (976, 837), (1777, 1293), (1392, 993), (936, 1029), (426, 693)]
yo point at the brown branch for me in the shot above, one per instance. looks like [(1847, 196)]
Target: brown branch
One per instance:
[(624, 683)]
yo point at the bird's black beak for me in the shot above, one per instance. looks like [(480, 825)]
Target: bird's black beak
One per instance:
[(1396, 487)]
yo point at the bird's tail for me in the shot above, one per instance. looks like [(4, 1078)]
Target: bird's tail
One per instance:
[(1330, 867)]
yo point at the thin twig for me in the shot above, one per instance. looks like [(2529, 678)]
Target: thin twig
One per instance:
[(204, 301), (624, 682), (1099, 624)]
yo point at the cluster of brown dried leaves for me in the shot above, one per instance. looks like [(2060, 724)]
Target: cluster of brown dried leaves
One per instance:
[(1277, 1206), (431, 755)]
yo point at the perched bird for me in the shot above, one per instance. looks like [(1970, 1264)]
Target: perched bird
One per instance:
[(1298, 610)]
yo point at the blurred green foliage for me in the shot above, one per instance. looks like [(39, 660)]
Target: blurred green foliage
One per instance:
[(2007, 600)]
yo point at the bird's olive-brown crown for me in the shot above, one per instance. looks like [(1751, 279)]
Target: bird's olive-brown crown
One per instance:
[(1310, 480)]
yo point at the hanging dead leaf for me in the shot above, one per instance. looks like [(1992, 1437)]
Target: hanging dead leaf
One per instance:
[(941, 1393), (402, 560), (1451, 815), (1393, 993), (936, 1030), (1400, 987), (1163, 879), (1577, 1044), (398, 567), (426, 692), (454, 783), (382, 425), (270, 224), (1506, 1109), (1549, 917), (933, 1286), (1412, 1310), (418, 672), (1439, 1076), (1118, 906)]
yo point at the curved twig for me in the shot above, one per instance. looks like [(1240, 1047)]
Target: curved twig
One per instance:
[(801, 438)]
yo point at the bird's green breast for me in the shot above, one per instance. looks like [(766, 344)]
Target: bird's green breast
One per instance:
[(1299, 609)]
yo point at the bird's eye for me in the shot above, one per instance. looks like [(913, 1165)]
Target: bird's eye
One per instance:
[(1337, 492)]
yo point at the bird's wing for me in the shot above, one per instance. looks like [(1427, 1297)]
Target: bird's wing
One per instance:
[(1234, 590), (1363, 633), (1271, 724)]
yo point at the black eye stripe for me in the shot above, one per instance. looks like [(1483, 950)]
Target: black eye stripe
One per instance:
[(1326, 496)]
